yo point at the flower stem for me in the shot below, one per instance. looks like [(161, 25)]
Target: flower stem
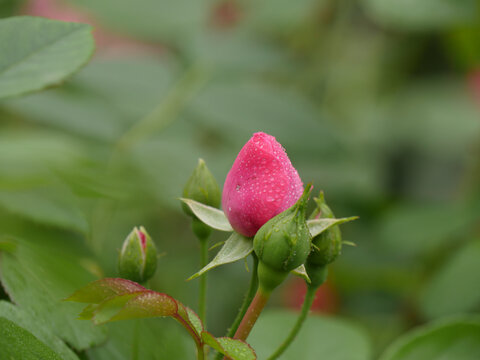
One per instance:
[(246, 302), (200, 352), (202, 295), (252, 314), (307, 304)]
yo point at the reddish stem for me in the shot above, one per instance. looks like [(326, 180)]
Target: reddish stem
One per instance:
[(251, 316)]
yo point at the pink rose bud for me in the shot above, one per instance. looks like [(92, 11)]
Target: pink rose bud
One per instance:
[(261, 184)]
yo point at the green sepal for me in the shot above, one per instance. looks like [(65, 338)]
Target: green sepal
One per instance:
[(283, 243), (236, 247), (210, 216), (301, 272), (327, 238)]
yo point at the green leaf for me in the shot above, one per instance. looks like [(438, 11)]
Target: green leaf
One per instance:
[(10, 7), (232, 348), (83, 114), (238, 52), (49, 205), (101, 290), (244, 106), (195, 320), (137, 305), (18, 343), (147, 339), (301, 272), (165, 20), (114, 299), (211, 216), (427, 107), (103, 100), (419, 227), (7, 245), (235, 248), (321, 337), (40, 273), (38, 52), (421, 15), (318, 226), (281, 16), (457, 339), (460, 274), (27, 322)]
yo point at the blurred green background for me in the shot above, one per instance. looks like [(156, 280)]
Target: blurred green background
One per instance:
[(375, 101)]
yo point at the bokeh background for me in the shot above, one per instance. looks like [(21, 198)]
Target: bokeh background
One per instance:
[(375, 101)]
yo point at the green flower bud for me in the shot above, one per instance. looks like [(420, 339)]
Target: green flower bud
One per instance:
[(138, 257), (282, 244), (327, 246), (201, 187)]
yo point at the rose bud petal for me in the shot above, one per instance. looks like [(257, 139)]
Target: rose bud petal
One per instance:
[(261, 184)]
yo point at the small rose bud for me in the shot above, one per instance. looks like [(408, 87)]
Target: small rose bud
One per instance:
[(282, 244), (327, 246), (201, 187), (261, 184), (138, 257)]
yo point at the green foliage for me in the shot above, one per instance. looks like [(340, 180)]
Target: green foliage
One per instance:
[(153, 20), (40, 332), (234, 349), (452, 339), (320, 337), (424, 15), (458, 274), (372, 100), (113, 299), (410, 229), (144, 339), (46, 205), (18, 343), (41, 272), (40, 53), (9, 7)]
